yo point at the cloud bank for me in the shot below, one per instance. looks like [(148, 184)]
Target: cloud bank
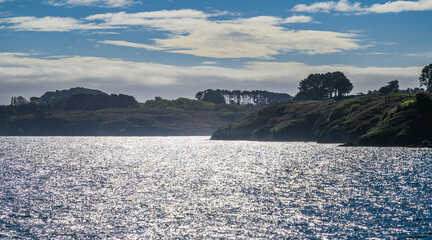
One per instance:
[(23, 74), (192, 32), (50, 24)]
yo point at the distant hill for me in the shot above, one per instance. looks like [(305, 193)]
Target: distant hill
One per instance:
[(60, 94), (118, 115), (370, 120), (255, 97)]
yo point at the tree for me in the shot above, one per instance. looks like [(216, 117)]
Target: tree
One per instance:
[(426, 77), (16, 101), (313, 87), (210, 95), (338, 84), (319, 86), (392, 86)]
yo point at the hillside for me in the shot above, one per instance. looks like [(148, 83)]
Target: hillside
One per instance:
[(61, 94), (90, 115), (393, 120)]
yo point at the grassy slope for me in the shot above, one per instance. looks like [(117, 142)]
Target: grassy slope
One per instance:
[(396, 119)]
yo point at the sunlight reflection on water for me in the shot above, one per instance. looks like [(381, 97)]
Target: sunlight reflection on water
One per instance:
[(190, 187)]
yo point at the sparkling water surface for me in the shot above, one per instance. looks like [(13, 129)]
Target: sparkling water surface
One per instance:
[(191, 187)]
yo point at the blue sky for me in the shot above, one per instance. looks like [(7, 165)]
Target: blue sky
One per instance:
[(174, 48)]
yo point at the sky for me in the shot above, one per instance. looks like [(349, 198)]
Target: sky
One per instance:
[(175, 48)]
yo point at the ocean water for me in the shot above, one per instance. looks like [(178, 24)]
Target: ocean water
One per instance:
[(194, 188)]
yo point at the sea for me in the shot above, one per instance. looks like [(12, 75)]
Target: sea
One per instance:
[(196, 188)]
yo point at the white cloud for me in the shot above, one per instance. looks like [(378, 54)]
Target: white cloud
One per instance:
[(373, 53), (194, 32), (177, 21), (123, 18), (13, 54), (129, 44), (301, 70), (341, 6), (249, 41), (49, 24), (348, 7), (18, 69), (100, 3), (105, 33), (401, 6), (270, 20), (298, 19), (423, 54), (224, 40)]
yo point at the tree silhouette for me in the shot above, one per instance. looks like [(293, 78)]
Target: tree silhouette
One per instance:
[(313, 87), (338, 83), (319, 86), (426, 77), (257, 97), (392, 86)]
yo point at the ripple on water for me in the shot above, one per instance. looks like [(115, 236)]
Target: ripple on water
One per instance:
[(167, 187)]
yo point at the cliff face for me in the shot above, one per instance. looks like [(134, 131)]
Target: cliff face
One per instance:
[(393, 120)]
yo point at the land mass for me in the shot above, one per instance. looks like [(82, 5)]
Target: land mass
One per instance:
[(369, 120), (88, 112)]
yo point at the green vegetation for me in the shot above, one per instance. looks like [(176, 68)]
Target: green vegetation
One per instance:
[(60, 94), (385, 117), (103, 114), (242, 97), (320, 86), (392, 120), (347, 108), (159, 104), (391, 87), (426, 77)]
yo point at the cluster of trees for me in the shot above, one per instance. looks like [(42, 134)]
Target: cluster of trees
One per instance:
[(60, 94), (82, 99), (27, 108), (255, 97), (15, 101), (64, 100), (319, 86), (160, 104), (210, 95), (393, 87)]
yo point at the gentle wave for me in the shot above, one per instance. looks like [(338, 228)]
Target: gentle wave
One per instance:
[(191, 187)]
